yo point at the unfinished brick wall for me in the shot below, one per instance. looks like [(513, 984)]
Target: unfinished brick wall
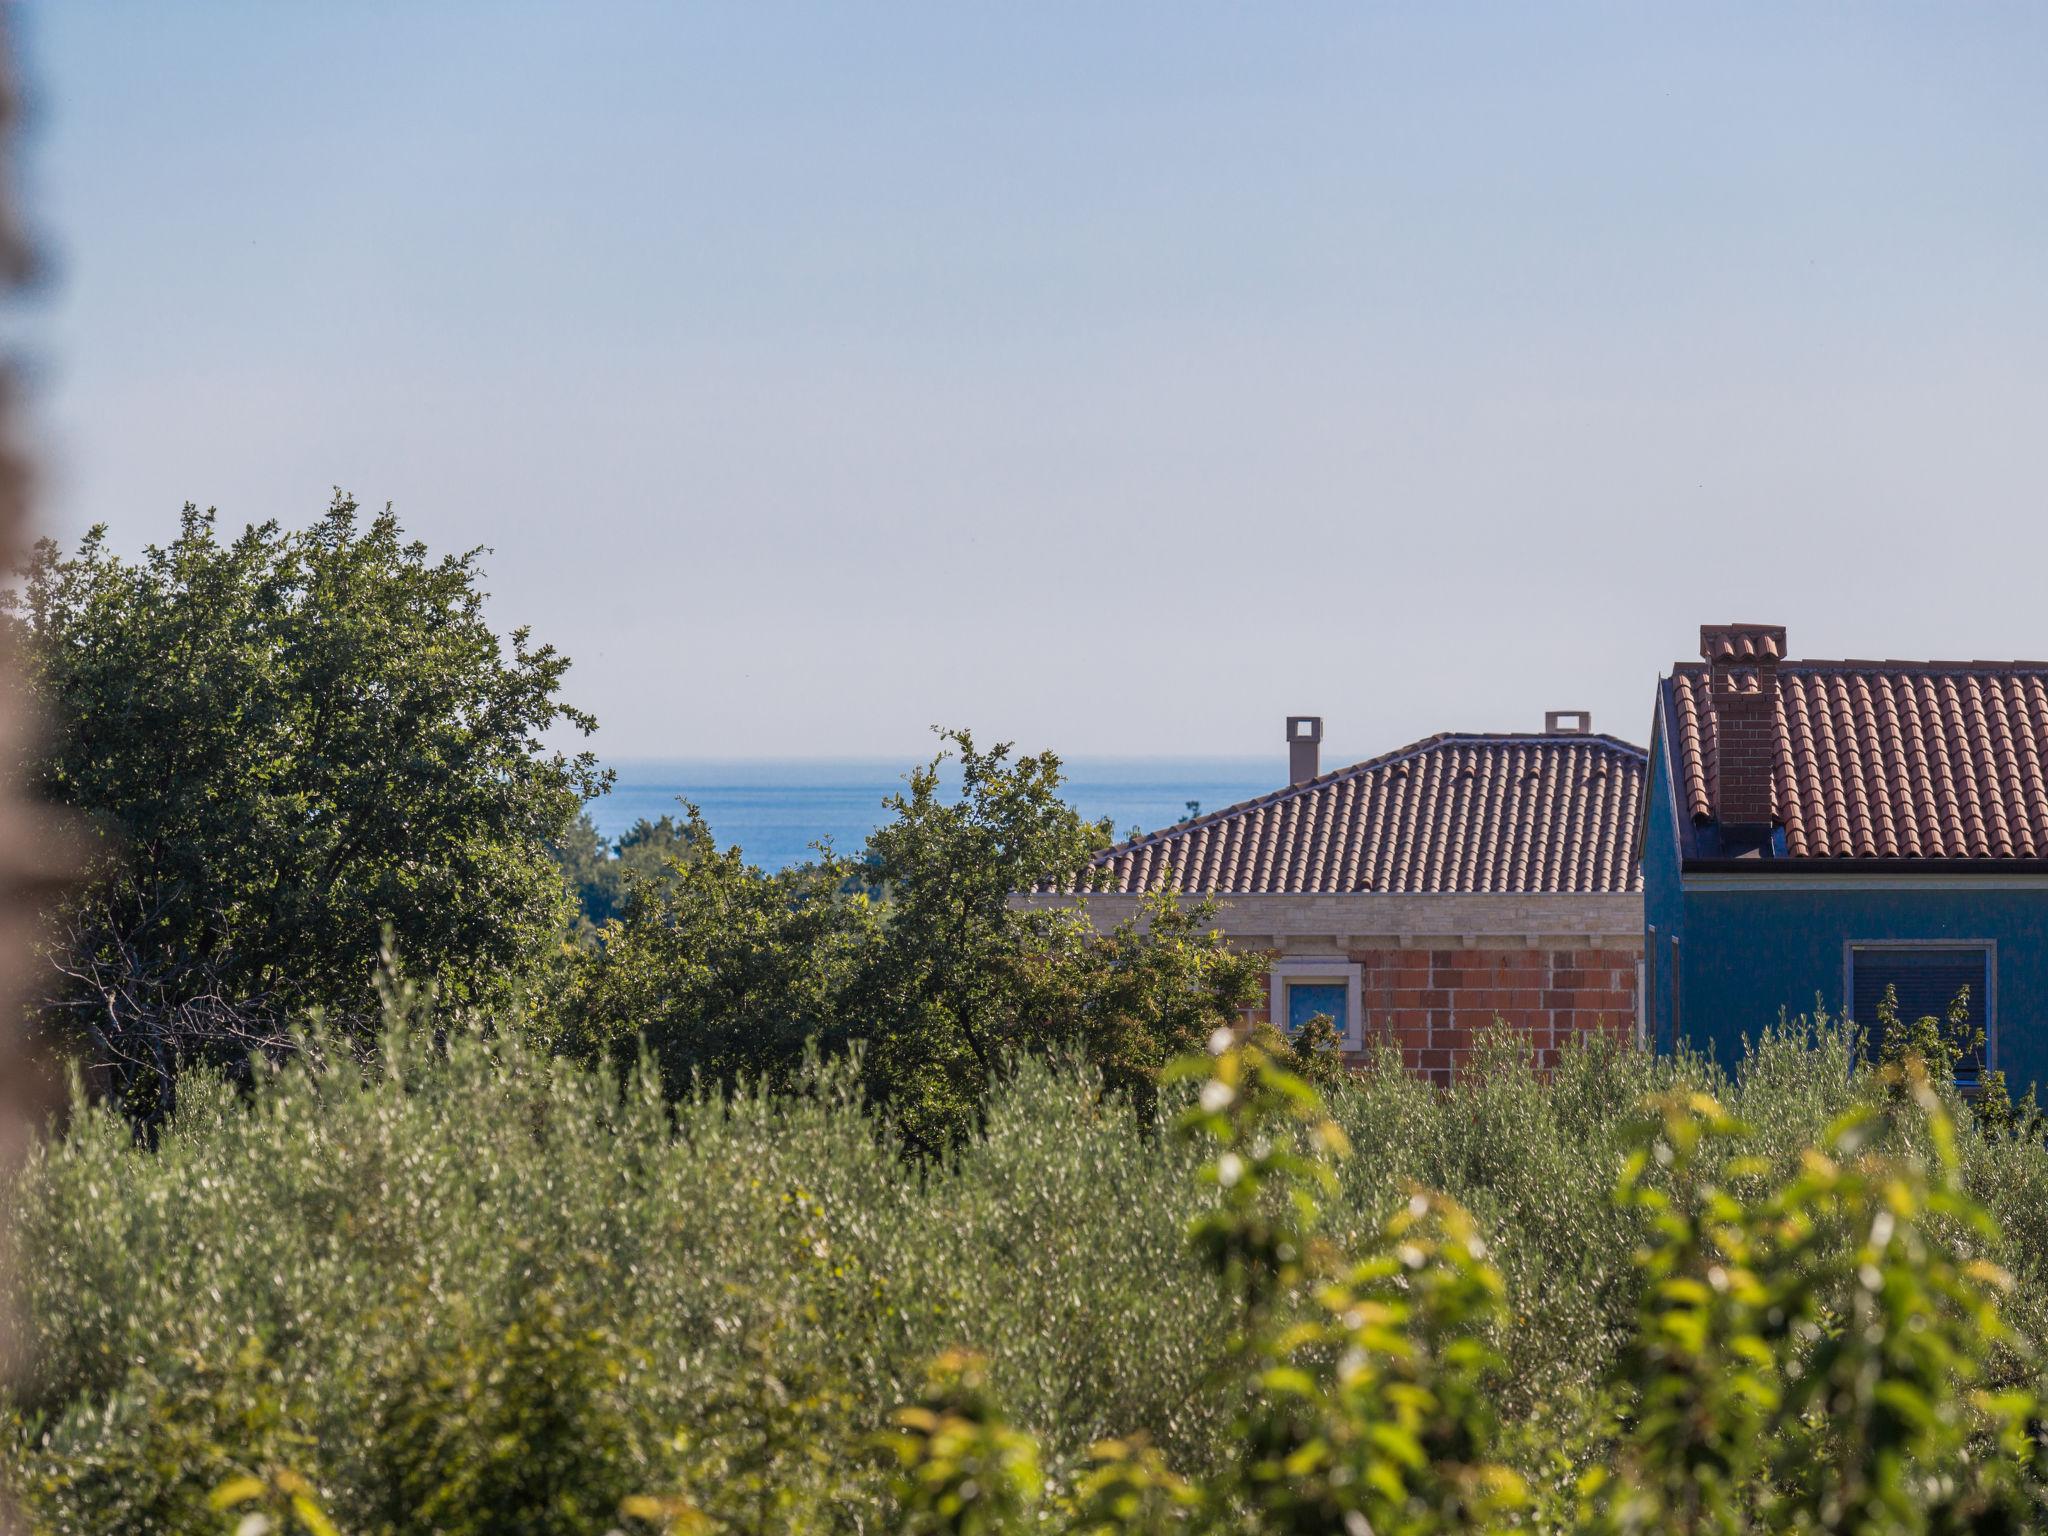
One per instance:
[(1435, 1003), (1434, 970)]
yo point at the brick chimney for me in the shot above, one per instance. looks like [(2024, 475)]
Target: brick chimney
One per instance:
[(1304, 747), (1742, 669)]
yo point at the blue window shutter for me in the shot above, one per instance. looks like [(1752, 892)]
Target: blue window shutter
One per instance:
[(1928, 979)]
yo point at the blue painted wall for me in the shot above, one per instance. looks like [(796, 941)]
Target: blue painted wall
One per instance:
[(1663, 900), (1747, 955)]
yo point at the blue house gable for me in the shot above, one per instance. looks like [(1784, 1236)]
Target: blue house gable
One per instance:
[(1818, 831)]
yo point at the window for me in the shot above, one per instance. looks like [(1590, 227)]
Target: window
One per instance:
[(1928, 978), (1304, 988), (1306, 999)]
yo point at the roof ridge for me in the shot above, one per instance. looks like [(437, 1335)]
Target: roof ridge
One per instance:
[(1885, 664)]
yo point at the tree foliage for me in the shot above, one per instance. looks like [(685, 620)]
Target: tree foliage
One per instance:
[(287, 742), (470, 1287), (600, 875), (1813, 1355), (717, 970), (724, 972)]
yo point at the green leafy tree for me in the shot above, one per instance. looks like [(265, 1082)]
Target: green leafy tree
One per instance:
[(1366, 1382), (1941, 1045), (938, 992), (1818, 1355), (1134, 997), (288, 742), (648, 847), (1372, 1405), (588, 873), (475, 1289), (964, 973), (719, 971), (599, 874), (920, 952)]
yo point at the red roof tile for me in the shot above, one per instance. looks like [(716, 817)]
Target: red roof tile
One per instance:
[(1454, 813), (1890, 759)]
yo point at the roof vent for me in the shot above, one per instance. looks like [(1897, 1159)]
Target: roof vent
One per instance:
[(1568, 722)]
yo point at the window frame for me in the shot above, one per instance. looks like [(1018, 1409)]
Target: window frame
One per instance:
[(1987, 947), (1316, 972)]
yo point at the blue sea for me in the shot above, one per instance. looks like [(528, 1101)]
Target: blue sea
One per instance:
[(775, 809)]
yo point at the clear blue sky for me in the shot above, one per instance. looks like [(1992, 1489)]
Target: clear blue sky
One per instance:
[(1117, 378)]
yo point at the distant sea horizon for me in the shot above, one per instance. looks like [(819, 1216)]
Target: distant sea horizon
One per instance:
[(777, 809)]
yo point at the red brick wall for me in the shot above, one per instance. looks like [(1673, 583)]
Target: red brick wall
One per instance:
[(1436, 1003)]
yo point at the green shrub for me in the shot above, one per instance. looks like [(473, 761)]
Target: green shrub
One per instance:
[(476, 1284), (152, 1453), (1810, 1354), (538, 1427)]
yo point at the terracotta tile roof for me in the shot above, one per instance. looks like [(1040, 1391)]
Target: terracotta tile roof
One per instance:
[(1889, 759), (1454, 813)]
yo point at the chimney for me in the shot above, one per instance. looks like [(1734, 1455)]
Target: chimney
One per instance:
[(1568, 722), (1742, 767), (1304, 747)]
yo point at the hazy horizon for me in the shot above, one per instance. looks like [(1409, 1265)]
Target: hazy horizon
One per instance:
[(1116, 381), (778, 810)]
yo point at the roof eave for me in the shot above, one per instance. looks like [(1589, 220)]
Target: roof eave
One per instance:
[(1778, 867)]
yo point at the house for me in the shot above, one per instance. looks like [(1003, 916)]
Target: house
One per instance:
[(1818, 831), (1423, 894)]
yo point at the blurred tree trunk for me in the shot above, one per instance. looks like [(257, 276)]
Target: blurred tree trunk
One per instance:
[(35, 856)]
